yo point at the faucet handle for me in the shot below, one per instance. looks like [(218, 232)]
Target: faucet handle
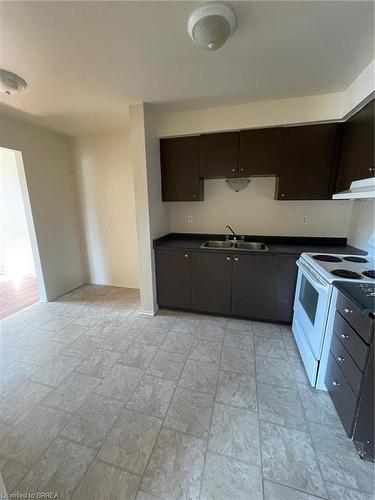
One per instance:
[(242, 238), (227, 237)]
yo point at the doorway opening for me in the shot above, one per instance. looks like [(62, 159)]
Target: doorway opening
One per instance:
[(21, 280)]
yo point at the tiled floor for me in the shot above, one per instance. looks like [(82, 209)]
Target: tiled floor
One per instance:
[(99, 402), (16, 295)]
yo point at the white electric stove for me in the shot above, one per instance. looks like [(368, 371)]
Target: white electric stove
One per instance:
[(316, 276)]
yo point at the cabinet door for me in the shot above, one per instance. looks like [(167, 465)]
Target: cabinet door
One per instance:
[(254, 286), (307, 162), (211, 282), (357, 149), (219, 154), (286, 288), (179, 158), (173, 278), (260, 151)]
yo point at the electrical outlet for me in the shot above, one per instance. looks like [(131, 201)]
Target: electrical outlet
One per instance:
[(304, 219), (188, 219)]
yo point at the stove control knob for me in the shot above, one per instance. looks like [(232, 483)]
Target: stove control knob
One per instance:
[(348, 311)]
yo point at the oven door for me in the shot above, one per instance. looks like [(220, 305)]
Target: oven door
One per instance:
[(311, 306)]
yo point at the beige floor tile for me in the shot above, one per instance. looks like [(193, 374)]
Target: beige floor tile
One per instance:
[(166, 364), (199, 376), (26, 442), (99, 363), (175, 469), (59, 470), (152, 396), (103, 482), (54, 372), (15, 407), (93, 421), (190, 412), (120, 382), (71, 393), (130, 442)]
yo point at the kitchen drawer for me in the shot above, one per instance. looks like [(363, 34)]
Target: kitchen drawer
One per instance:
[(361, 323), (342, 395), (351, 341), (351, 371)]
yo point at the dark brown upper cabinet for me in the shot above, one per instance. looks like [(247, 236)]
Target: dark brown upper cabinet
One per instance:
[(307, 163), (260, 151), (357, 149), (219, 154), (179, 158)]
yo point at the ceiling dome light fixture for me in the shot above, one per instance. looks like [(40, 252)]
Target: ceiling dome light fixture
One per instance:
[(210, 26), (11, 83)]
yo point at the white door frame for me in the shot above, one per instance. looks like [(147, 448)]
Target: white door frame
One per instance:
[(30, 224)]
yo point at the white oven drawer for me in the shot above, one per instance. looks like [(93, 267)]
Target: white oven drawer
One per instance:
[(308, 359)]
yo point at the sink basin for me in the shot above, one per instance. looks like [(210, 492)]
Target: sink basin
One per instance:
[(235, 245), (223, 245), (250, 245)]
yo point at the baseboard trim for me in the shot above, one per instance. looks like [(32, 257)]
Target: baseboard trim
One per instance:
[(148, 312)]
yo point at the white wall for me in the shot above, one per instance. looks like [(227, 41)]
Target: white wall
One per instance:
[(152, 215), (296, 110), (106, 188), (362, 223), (16, 258), (254, 211), (49, 172)]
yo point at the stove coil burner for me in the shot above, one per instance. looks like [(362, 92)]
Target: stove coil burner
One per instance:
[(344, 273), (327, 258), (356, 259), (369, 274)]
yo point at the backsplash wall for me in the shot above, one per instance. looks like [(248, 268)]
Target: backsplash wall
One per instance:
[(254, 211)]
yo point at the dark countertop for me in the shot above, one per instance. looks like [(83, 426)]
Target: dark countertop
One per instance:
[(278, 245), (361, 294)]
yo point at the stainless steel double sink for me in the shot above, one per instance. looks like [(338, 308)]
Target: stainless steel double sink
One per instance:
[(235, 245)]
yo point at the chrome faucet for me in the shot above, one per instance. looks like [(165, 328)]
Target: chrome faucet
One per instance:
[(231, 230)]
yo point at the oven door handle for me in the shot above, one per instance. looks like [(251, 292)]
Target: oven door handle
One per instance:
[(312, 279)]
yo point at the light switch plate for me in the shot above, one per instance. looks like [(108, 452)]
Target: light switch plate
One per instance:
[(188, 219), (304, 219)]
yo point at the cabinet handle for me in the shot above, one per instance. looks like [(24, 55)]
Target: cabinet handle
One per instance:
[(236, 259), (186, 256), (336, 384), (194, 196), (343, 336), (371, 169), (340, 359), (228, 258), (233, 169), (242, 169), (282, 195), (348, 311)]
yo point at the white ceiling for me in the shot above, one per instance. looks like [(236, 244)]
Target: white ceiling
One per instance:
[(86, 61)]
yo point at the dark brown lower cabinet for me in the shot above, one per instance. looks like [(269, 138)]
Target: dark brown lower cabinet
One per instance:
[(173, 278), (211, 282), (254, 286), (249, 286), (286, 287)]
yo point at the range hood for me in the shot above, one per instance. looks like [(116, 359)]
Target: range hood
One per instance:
[(365, 188)]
